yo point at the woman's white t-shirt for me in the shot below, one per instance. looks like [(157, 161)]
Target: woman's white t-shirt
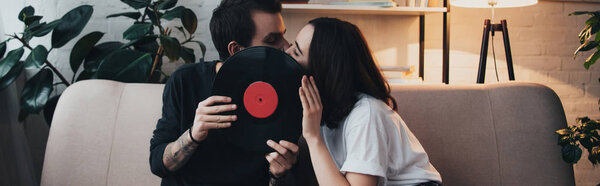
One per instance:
[(374, 140)]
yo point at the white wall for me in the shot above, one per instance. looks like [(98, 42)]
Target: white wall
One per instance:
[(543, 39)]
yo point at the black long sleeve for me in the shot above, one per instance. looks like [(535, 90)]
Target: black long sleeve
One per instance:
[(215, 162)]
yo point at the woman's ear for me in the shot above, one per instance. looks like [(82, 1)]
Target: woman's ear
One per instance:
[(234, 47)]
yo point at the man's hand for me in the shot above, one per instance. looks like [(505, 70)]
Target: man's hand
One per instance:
[(177, 153), (206, 118), (283, 158)]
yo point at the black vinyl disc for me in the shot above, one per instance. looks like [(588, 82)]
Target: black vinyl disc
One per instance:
[(263, 82)]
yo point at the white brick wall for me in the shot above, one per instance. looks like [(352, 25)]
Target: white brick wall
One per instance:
[(543, 39)]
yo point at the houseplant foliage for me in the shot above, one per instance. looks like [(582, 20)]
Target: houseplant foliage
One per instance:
[(138, 60), (586, 37), (149, 35), (586, 131)]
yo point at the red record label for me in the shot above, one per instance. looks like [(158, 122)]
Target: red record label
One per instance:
[(260, 99)]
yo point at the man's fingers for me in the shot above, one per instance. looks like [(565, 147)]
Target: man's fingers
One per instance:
[(217, 109), (280, 160), (214, 99), (218, 118), (290, 146), (208, 126), (275, 166), (280, 149)]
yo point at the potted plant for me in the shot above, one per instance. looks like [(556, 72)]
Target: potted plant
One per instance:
[(137, 60), (586, 131)]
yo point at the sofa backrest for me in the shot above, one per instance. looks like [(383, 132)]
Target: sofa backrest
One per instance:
[(100, 135), (498, 134), (494, 134)]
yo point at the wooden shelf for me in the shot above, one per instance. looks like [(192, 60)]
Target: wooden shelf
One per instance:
[(351, 9)]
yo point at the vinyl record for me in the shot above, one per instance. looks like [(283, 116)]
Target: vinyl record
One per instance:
[(263, 82)]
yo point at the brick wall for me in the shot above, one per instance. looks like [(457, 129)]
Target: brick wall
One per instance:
[(543, 39)]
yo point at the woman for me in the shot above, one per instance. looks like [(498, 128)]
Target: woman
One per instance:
[(363, 141)]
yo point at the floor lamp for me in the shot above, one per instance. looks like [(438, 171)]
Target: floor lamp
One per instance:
[(490, 27)]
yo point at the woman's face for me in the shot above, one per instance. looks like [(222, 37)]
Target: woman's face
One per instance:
[(299, 49)]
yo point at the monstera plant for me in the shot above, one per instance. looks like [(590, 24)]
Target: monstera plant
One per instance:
[(586, 131), (139, 59)]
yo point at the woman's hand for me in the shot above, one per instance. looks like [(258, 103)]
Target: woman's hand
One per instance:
[(312, 109)]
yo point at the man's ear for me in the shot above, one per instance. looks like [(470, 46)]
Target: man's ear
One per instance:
[(234, 47)]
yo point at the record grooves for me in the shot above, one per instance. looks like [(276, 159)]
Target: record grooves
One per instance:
[(263, 82)]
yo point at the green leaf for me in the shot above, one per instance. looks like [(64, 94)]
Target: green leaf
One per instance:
[(32, 19), (584, 35), (71, 25), (11, 76), (37, 57), (173, 13), (579, 13), (187, 54), (592, 59), (126, 66), (571, 153), (137, 31), (202, 47), (2, 49), (171, 47), (98, 53), (44, 28), (152, 16), (182, 31), (11, 59), (22, 115), (49, 109), (85, 75), (82, 48), (132, 15), (588, 45), (147, 44), (28, 11), (37, 91), (135, 42), (189, 20), (563, 132), (594, 155), (166, 4), (137, 4)]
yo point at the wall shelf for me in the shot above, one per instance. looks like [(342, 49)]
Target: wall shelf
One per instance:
[(419, 12), (351, 9)]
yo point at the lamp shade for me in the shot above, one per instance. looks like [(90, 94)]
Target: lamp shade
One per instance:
[(489, 3)]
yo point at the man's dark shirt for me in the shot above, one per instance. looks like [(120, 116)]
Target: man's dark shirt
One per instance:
[(215, 162)]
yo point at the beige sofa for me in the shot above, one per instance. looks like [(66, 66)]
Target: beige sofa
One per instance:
[(496, 134)]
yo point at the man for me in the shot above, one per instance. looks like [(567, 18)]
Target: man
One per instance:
[(187, 147)]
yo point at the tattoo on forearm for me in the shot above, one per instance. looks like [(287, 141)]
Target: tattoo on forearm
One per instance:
[(178, 153)]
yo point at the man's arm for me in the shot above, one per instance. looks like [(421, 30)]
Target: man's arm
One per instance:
[(177, 153)]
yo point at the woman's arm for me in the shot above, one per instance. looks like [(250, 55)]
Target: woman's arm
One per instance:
[(325, 169)]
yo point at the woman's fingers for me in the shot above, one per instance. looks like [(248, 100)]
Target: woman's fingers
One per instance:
[(317, 95), (303, 99), (306, 87), (313, 90)]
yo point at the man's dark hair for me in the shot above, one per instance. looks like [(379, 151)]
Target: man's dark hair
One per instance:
[(232, 21)]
